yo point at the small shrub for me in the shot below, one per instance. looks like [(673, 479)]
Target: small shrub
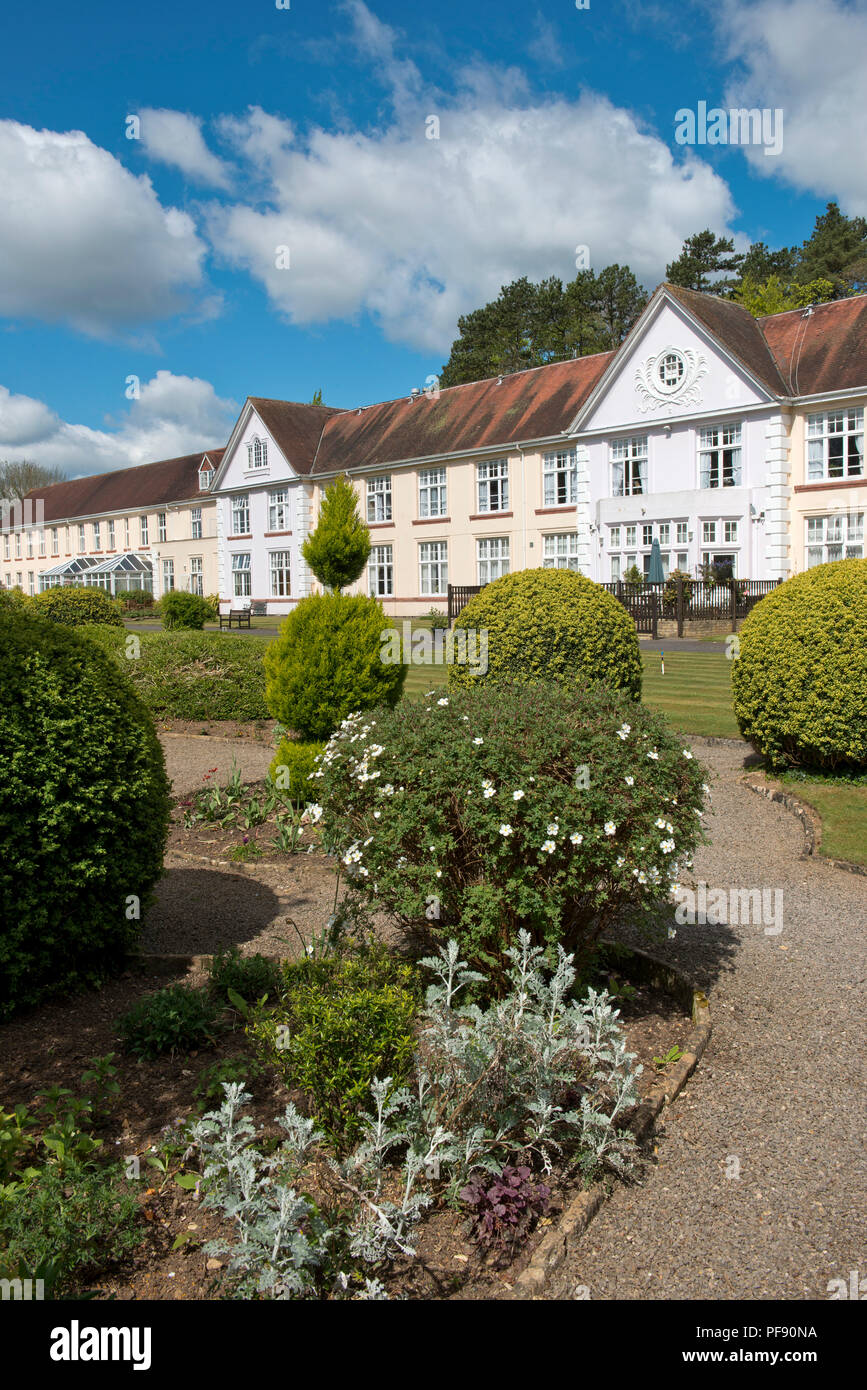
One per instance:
[(84, 812), (338, 549), (293, 766), (14, 600), (179, 609), (192, 675), (326, 663), (335, 1031), (176, 1019), (68, 1224), (633, 575), (212, 1079), (73, 606), (551, 625), (669, 593), (134, 599), (250, 976), (436, 618), (505, 1209), (799, 684), (478, 813), (213, 602)]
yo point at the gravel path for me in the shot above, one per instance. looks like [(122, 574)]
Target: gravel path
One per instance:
[(189, 759), (780, 1092)]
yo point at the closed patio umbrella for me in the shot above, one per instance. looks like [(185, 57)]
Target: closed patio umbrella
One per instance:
[(655, 574)]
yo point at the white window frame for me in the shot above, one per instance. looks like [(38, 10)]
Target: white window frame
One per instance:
[(379, 498), (432, 500), (845, 425), (97, 535), (241, 515), (560, 479), (82, 538), (708, 533), (196, 523), (380, 571), (560, 551), (614, 538), (628, 464), (631, 537), (257, 454), (168, 575), (205, 479), (197, 577), (843, 540), (162, 528), (492, 558), (665, 533), (111, 538), (278, 509), (241, 576), (731, 533), (492, 486), (720, 456), (143, 530), (433, 568), (682, 533), (280, 573)]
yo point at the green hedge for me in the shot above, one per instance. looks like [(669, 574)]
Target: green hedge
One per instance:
[(192, 675), (799, 685), (180, 609), (551, 625), (84, 811)]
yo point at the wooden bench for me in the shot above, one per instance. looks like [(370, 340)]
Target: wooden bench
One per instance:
[(239, 616)]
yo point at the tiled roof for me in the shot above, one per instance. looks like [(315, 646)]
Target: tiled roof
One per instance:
[(127, 489), (823, 351), (535, 404), (295, 427), (737, 330)]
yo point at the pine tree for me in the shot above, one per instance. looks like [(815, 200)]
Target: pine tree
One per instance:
[(836, 251), (702, 256), (338, 549)]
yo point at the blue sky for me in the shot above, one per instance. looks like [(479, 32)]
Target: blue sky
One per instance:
[(307, 128)]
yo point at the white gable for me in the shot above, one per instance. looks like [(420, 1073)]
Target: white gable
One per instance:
[(671, 370), (236, 471)]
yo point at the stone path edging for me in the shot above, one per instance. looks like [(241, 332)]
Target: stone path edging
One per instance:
[(557, 1243), (809, 818)]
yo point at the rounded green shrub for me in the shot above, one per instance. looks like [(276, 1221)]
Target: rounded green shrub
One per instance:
[(293, 766), (327, 663), (550, 625), (799, 684), (73, 605), (14, 600), (484, 811), (180, 609), (339, 1026), (84, 812)]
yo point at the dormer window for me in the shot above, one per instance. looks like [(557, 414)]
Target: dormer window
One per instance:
[(206, 475), (257, 453)]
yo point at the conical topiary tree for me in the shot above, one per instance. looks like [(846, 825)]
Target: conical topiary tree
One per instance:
[(338, 549)]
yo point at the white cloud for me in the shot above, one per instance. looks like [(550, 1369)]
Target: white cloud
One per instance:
[(174, 415), (807, 58), (85, 242), (418, 231), (173, 138)]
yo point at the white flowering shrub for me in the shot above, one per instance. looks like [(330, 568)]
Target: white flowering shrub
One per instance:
[(484, 811)]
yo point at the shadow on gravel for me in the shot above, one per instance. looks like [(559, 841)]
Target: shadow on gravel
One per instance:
[(199, 911), (702, 952)]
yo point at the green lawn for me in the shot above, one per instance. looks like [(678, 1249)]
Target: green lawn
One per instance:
[(694, 693), (842, 807)]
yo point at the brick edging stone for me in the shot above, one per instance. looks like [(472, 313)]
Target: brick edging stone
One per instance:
[(809, 818)]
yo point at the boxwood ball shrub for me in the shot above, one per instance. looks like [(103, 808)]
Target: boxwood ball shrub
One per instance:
[(799, 684), (327, 663), (294, 764), (553, 625), (477, 813), (74, 606), (84, 812), (179, 609)]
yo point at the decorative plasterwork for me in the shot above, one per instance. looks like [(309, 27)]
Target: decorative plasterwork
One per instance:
[(669, 379)]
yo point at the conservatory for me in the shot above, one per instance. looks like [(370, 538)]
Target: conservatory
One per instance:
[(117, 575), (120, 574)]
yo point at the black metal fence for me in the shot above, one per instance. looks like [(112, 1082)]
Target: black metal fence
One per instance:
[(680, 599)]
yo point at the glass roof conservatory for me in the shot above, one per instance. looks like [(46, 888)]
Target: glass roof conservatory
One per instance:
[(117, 575)]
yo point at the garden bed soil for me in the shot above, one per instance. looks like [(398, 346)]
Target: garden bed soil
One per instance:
[(52, 1045)]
